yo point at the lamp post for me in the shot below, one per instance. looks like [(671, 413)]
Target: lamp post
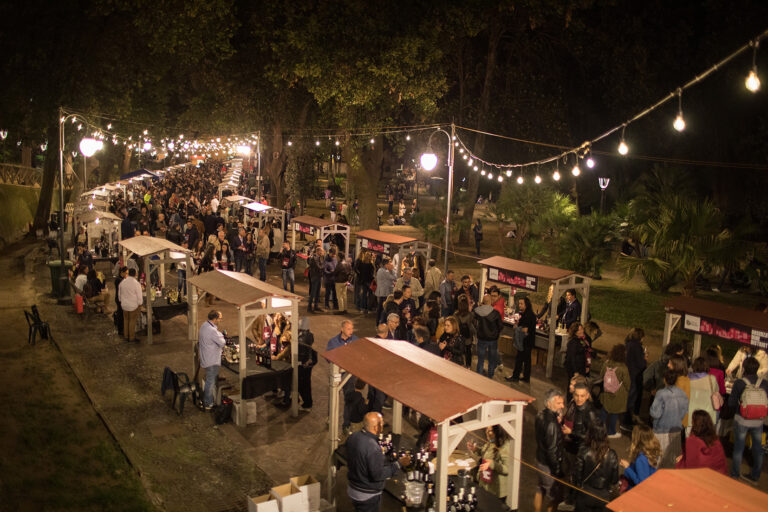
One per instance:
[(603, 182), (428, 162)]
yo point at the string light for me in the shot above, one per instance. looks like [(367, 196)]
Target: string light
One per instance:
[(509, 173), (373, 141), (337, 143), (623, 148), (3, 134), (590, 160), (482, 173), (556, 175), (500, 178), (520, 179), (407, 137), (317, 143), (576, 171), (752, 82), (679, 123), (290, 143), (537, 179)]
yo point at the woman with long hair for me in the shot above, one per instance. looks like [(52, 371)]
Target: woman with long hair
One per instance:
[(636, 364), (578, 358), (466, 324), (596, 469), (644, 455), (702, 447), (451, 342), (494, 461), (616, 382)]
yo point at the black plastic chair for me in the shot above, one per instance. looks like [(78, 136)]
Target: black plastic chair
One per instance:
[(36, 325), (182, 388)]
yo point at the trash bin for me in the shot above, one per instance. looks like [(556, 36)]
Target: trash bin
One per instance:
[(59, 287)]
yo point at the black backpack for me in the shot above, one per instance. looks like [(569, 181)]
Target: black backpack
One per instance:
[(223, 413)]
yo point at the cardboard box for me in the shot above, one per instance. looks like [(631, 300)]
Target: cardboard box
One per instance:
[(310, 488), (290, 498), (250, 410), (264, 503)]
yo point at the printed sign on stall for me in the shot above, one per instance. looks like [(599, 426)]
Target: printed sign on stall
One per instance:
[(303, 228), (373, 245), (513, 278), (725, 330)]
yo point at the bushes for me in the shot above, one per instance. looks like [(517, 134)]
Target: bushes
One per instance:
[(586, 244)]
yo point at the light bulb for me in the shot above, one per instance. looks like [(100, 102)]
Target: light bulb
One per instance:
[(752, 83), (464, 157), (509, 174), (556, 176), (469, 162), (679, 123), (623, 148), (338, 143), (576, 170), (482, 173), (317, 143), (500, 178), (109, 126), (461, 150), (290, 143), (428, 161), (407, 137), (456, 144), (475, 168), (590, 162), (372, 141), (537, 179), (520, 180), (490, 175), (147, 146)]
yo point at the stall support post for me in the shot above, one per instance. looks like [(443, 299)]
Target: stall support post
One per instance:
[(696, 345), (584, 301), (670, 320), (148, 290), (242, 419), (188, 274), (293, 238), (161, 268), (192, 320), (346, 244), (397, 417), (443, 452), (333, 430), (295, 358), (516, 455), (483, 280), (357, 246)]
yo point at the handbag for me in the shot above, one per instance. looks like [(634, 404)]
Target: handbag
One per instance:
[(306, 272), (717, 398), (372, 286)]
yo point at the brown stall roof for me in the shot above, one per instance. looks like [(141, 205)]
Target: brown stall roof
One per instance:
[(238, 288), (387, 238), (718, 311), (316, 222), (145, 245), (258, 207), (423, 381), (92, 215), (237, 199), (531, 269), (702, 490)]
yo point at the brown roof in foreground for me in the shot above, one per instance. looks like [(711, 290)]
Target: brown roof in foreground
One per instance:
[(423, 381), (237, 288), (387, 238), (144, 245), (531, 269), (718, 311), (702, 490), (316, 222)]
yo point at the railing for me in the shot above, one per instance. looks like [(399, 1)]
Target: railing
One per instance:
[(14, 174)]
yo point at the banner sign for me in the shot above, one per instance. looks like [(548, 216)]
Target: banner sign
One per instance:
[(373, 245), (301, 228), (510, 277), (726, 330)]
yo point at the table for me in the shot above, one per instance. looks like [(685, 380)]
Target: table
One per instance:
[(260, 379), (161, 310)]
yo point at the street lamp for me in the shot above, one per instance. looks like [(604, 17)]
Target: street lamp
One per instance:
[(603, 182), (428, 162)]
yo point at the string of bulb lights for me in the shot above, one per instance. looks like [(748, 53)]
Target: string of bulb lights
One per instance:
[(584, 150)]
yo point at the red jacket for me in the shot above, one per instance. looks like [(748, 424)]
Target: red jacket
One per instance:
[(699, 455)]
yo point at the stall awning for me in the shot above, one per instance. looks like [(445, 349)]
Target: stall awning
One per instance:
[(315, 222), (92, 215), (237, 199), (139, 173), (425, 382), (238, 288), (95, 192), (721, 320), (387, 238), (702, 490), (146, 245), (258, 207), (524, 267)]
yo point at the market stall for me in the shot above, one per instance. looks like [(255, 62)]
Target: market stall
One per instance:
[(701, 316), (700, 489), (422, 381), (252, 298), (509, 273), (260, 214), (156, 253), (319, 228), (392, 245), (103, 230)]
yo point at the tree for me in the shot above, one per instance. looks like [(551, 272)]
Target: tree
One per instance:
[(587, 243)]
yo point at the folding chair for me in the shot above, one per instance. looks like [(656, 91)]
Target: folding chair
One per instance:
[(36, 326)]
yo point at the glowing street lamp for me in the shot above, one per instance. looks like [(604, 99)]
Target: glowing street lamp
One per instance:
[(428, 162)]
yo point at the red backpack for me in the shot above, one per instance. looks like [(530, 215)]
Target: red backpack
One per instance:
[(753, 404)]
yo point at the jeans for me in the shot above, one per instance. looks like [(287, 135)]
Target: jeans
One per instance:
[(288, 277), (490, 347), (263, 269), (211, 374), (314, 293), (371, 505), (182, 282), (739, 440), (330, 296), (610, 419), (240, 261)]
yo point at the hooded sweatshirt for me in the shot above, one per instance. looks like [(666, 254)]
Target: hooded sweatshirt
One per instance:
[(488, 322)]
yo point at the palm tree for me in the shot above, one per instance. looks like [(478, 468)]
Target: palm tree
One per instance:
[(587, 243)]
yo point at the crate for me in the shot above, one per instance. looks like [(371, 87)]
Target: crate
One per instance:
[(290, 498), (310, 487), (265, 503)]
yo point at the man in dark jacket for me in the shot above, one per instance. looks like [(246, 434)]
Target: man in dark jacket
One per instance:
[(329, 271), (287, 259), (636, 365), (315, 263), (368, 469), (579, 416), (549, 451), (572, 311), (488, 325)]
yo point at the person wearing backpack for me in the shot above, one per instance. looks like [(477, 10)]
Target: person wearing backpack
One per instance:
[(488, 329), (616, 383), (749, 398)]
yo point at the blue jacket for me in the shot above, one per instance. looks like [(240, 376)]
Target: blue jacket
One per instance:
[(639, 470), (668, 410), (368, 468), (337, 342)]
